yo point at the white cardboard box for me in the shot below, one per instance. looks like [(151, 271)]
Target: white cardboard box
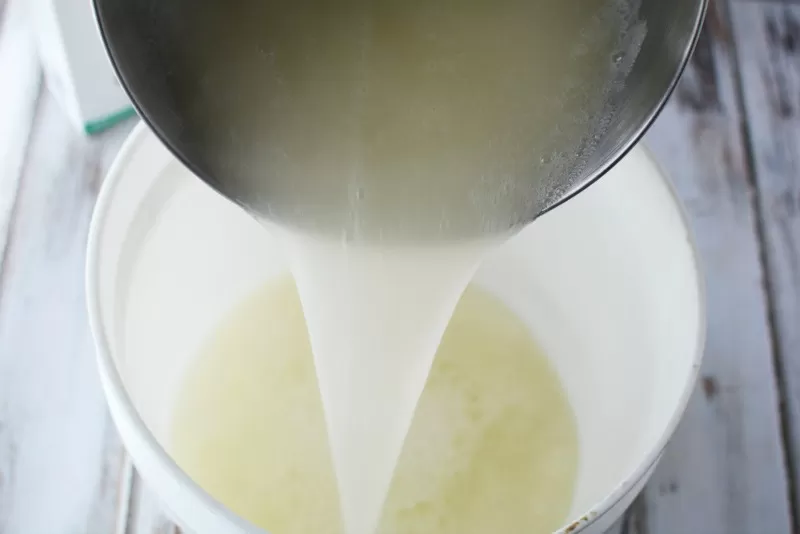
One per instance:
[(76, 68)]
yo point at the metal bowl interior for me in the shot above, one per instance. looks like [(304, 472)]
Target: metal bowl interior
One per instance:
[(153, 48)]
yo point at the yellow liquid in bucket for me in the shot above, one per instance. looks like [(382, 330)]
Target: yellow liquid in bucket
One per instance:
[(492, 447)]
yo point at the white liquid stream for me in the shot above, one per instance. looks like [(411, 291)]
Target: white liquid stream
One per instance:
[(415, 123), (375, 318)]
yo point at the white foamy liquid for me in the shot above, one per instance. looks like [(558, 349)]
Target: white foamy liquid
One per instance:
[(375, 318)]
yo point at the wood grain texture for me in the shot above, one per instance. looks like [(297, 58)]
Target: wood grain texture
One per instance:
[(145, 515), (723, 472), (768, 47), (767, 2), (60, 457), (630, 521), (18, 62)]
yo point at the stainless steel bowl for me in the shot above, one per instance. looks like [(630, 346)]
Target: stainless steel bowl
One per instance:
[(165, 53)]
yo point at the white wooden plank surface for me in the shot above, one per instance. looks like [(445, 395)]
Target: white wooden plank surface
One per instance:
[(18, 62), (145, 515), (768, 44), (723, 472), (60, 458)]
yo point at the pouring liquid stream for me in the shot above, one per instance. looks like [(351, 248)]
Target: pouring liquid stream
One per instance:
[(375, 319), (410, 139)]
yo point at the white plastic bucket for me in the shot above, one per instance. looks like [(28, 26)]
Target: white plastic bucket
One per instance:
[(609, 285)]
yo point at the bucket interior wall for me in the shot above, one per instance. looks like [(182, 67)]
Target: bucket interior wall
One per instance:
[(607, 284)]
